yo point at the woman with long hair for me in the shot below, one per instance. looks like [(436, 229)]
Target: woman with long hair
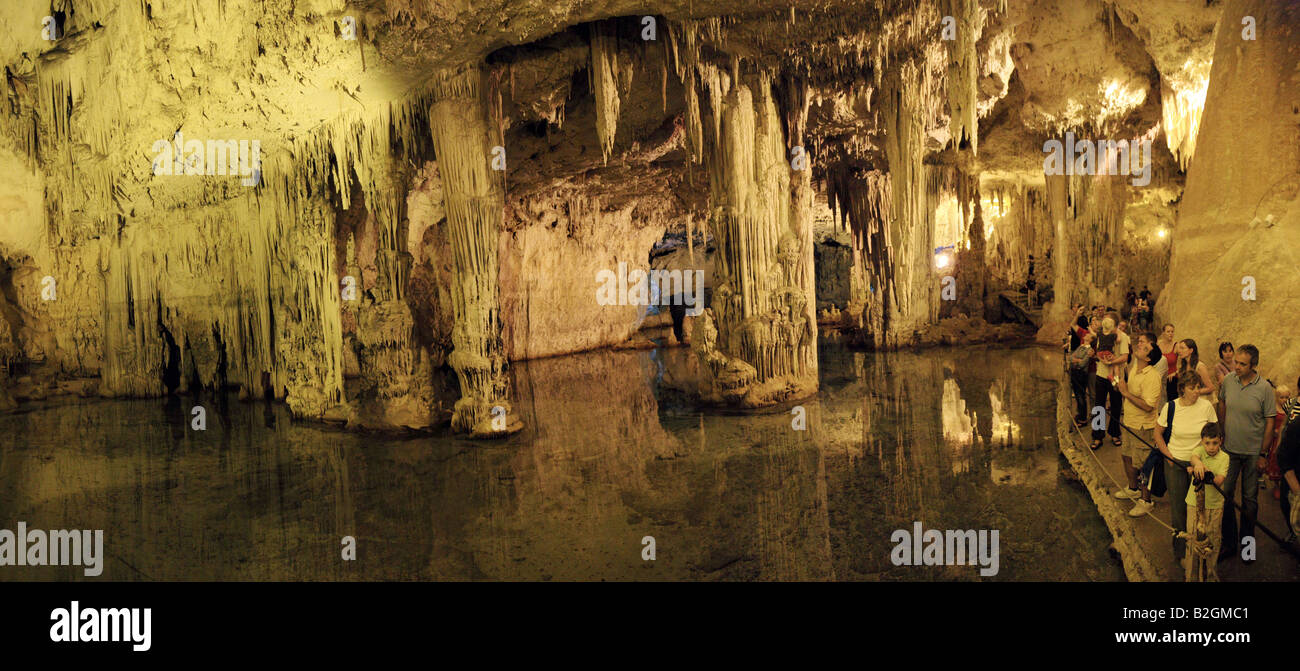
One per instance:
[(1189, 358)]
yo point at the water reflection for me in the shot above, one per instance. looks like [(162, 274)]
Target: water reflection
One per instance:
[(612, 452)]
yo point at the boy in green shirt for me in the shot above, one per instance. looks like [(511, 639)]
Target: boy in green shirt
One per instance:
[(1209, 463)]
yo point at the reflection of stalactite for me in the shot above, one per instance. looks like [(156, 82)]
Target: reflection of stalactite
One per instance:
[(474, 206)]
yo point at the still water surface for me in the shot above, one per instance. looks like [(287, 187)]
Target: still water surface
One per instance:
[(612, 453)]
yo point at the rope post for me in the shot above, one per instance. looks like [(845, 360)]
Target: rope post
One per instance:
[(1199, 546)]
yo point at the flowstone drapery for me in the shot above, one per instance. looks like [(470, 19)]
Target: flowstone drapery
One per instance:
[(758, 340), (474, 205), (911, 236)]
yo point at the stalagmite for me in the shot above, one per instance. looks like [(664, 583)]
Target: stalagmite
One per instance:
[(757, 338), (396, 372), (474, 203), (906, 89)]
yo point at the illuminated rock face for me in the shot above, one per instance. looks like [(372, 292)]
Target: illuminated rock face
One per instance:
[(330, 207), (759, 337), (1233, 272), (474, 205)]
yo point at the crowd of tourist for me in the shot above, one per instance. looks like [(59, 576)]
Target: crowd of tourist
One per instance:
[(1164, 408)]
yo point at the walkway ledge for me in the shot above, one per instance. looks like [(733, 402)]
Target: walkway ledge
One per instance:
[(1137, 563)]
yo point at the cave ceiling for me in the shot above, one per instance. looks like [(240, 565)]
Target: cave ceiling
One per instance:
[(281, 72)]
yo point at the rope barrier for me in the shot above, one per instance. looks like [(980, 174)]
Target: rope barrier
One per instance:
[(1236, 505), (1198, 547), (1117, 484)]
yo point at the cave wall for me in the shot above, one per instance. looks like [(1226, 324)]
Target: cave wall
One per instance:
[(377, 168), (1240, 214), (548, 281)]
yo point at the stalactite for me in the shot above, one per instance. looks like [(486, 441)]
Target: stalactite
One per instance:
[(863, 201), (908, 90), (605, 83), (796, 103), (475, 207), (757, 336), (963, 71), (1181, 108), (690, 237), (683, 48), (262, 295)]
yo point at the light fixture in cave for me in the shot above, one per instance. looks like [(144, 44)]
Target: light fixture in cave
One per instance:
[(1162, 233), (943, 256)]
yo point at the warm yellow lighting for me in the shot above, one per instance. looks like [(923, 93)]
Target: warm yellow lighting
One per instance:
[(1161, 233), (942, 260), (958, 424), (1182, 103), (1118, 99), (1005, 431), (993, 209)]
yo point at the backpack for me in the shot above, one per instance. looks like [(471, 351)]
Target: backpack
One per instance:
[(1153, 473)]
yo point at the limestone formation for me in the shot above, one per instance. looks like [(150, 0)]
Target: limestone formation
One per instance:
[(473, 198), (343, 205)]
